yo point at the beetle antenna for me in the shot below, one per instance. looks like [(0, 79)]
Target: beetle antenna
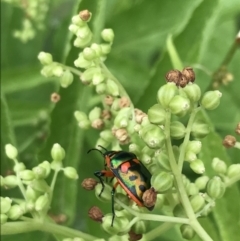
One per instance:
[(95, 149), (103, 148)]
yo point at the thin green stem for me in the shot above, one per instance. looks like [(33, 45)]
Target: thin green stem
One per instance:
[(99, 20), (128, 227), (186, 138), (54, 179), (156, 232), (180, 186), (72, 69), (29, 225), (231, 181), (153, 217)]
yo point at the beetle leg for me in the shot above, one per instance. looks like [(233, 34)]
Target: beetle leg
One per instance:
[(113, 210), (99, 175)]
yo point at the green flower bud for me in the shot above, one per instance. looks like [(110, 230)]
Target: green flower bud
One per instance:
[(179, 211), (102, 142), (219, 166), (187, 231), (156, 114), (160, 201), (80, 62), (79, 115), (94, 114), (200, 129), (11, 151), (179, 105), (57, 153), (193, 92), (211, 99), (194, 146), (84, 33), (190, 156), (39, 172), (197, 201), (97, 48), (73, 28), (56, 165), (145, 121), (201, 182), (106, 195), (2, 182), (70, 172), (123, 198), (42, 202), (120, 223), (101, 88), (197, 166), (57, 70), (215, 187), (15, 212), (107, 35), (47, 166), (166, 93), (139, 227), (47, 71), (106, 48), (83, 42), (32, 194), (112, 88), (27, 175), (98, 78), (18, 167), (163, 161), (30, 205), (3, 218), (192, 189), (106, 135), (78, 21), (45, 58), (146, 159), (66, 79), (233, 170), (186, 181), (10, 181), (89, 53), (5, 204), (177, 130), (88, 74), (162, 181), (122, 118), (40, 185), (153, 136)]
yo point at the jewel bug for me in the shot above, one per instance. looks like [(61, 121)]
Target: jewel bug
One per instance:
[(130, 173)]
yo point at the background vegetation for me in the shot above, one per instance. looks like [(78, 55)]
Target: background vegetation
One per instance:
[(203, 33)]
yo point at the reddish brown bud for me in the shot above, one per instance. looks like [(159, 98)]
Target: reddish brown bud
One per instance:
[(97, 124), (237, 130), (189, 74), (95, 214), (149, 197), (182, 81), (89, 183), (229, 141), (124, 102), (133, 236), (108, 100), (106, 115), (173, 76), (55, 97), (60, 218), (139, 115), (85, 15), (121, 134)]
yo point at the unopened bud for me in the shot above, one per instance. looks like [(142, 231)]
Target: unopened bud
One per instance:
[(197, 166), (173, 76), (15, 212), (233, 170), (201, 182), (106, 135), (3, 218), (200, 129), (211, 99), (177, 130), (70, 172), (192, 189), (189, 74), (98, 124), (40, 185), (179, 211), (10, 181), (107, 35), (45, 58), (94, 114), (39, 172), (179, 105), (166, 93), (193, 92), (32, 194), (27, 175), (57, 153), (219, 166), (11, 151), (95, 214), (66, 79), (42, 202), (163, 161), (47, 166), (19, 166), (194, 146), (112, 87), (162, 181), (85, 15), (106, 48), (156, 114), (106, 194), (197, 201), (229, 141), (139, 227), (215, 187), (5, 204), (187, 231)]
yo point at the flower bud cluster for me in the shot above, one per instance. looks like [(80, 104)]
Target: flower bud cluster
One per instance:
[(32, 183), (34, 16)]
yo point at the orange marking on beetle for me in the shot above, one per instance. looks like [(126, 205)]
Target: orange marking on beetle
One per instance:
[(108, 173), (125, 166)]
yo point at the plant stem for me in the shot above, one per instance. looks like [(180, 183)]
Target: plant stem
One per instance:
[(180, 187), (10, 228), (156, 232), (232, 180), (153, 217), (186, 138)]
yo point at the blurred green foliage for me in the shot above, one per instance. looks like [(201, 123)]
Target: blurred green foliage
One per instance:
[(203, 32)]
